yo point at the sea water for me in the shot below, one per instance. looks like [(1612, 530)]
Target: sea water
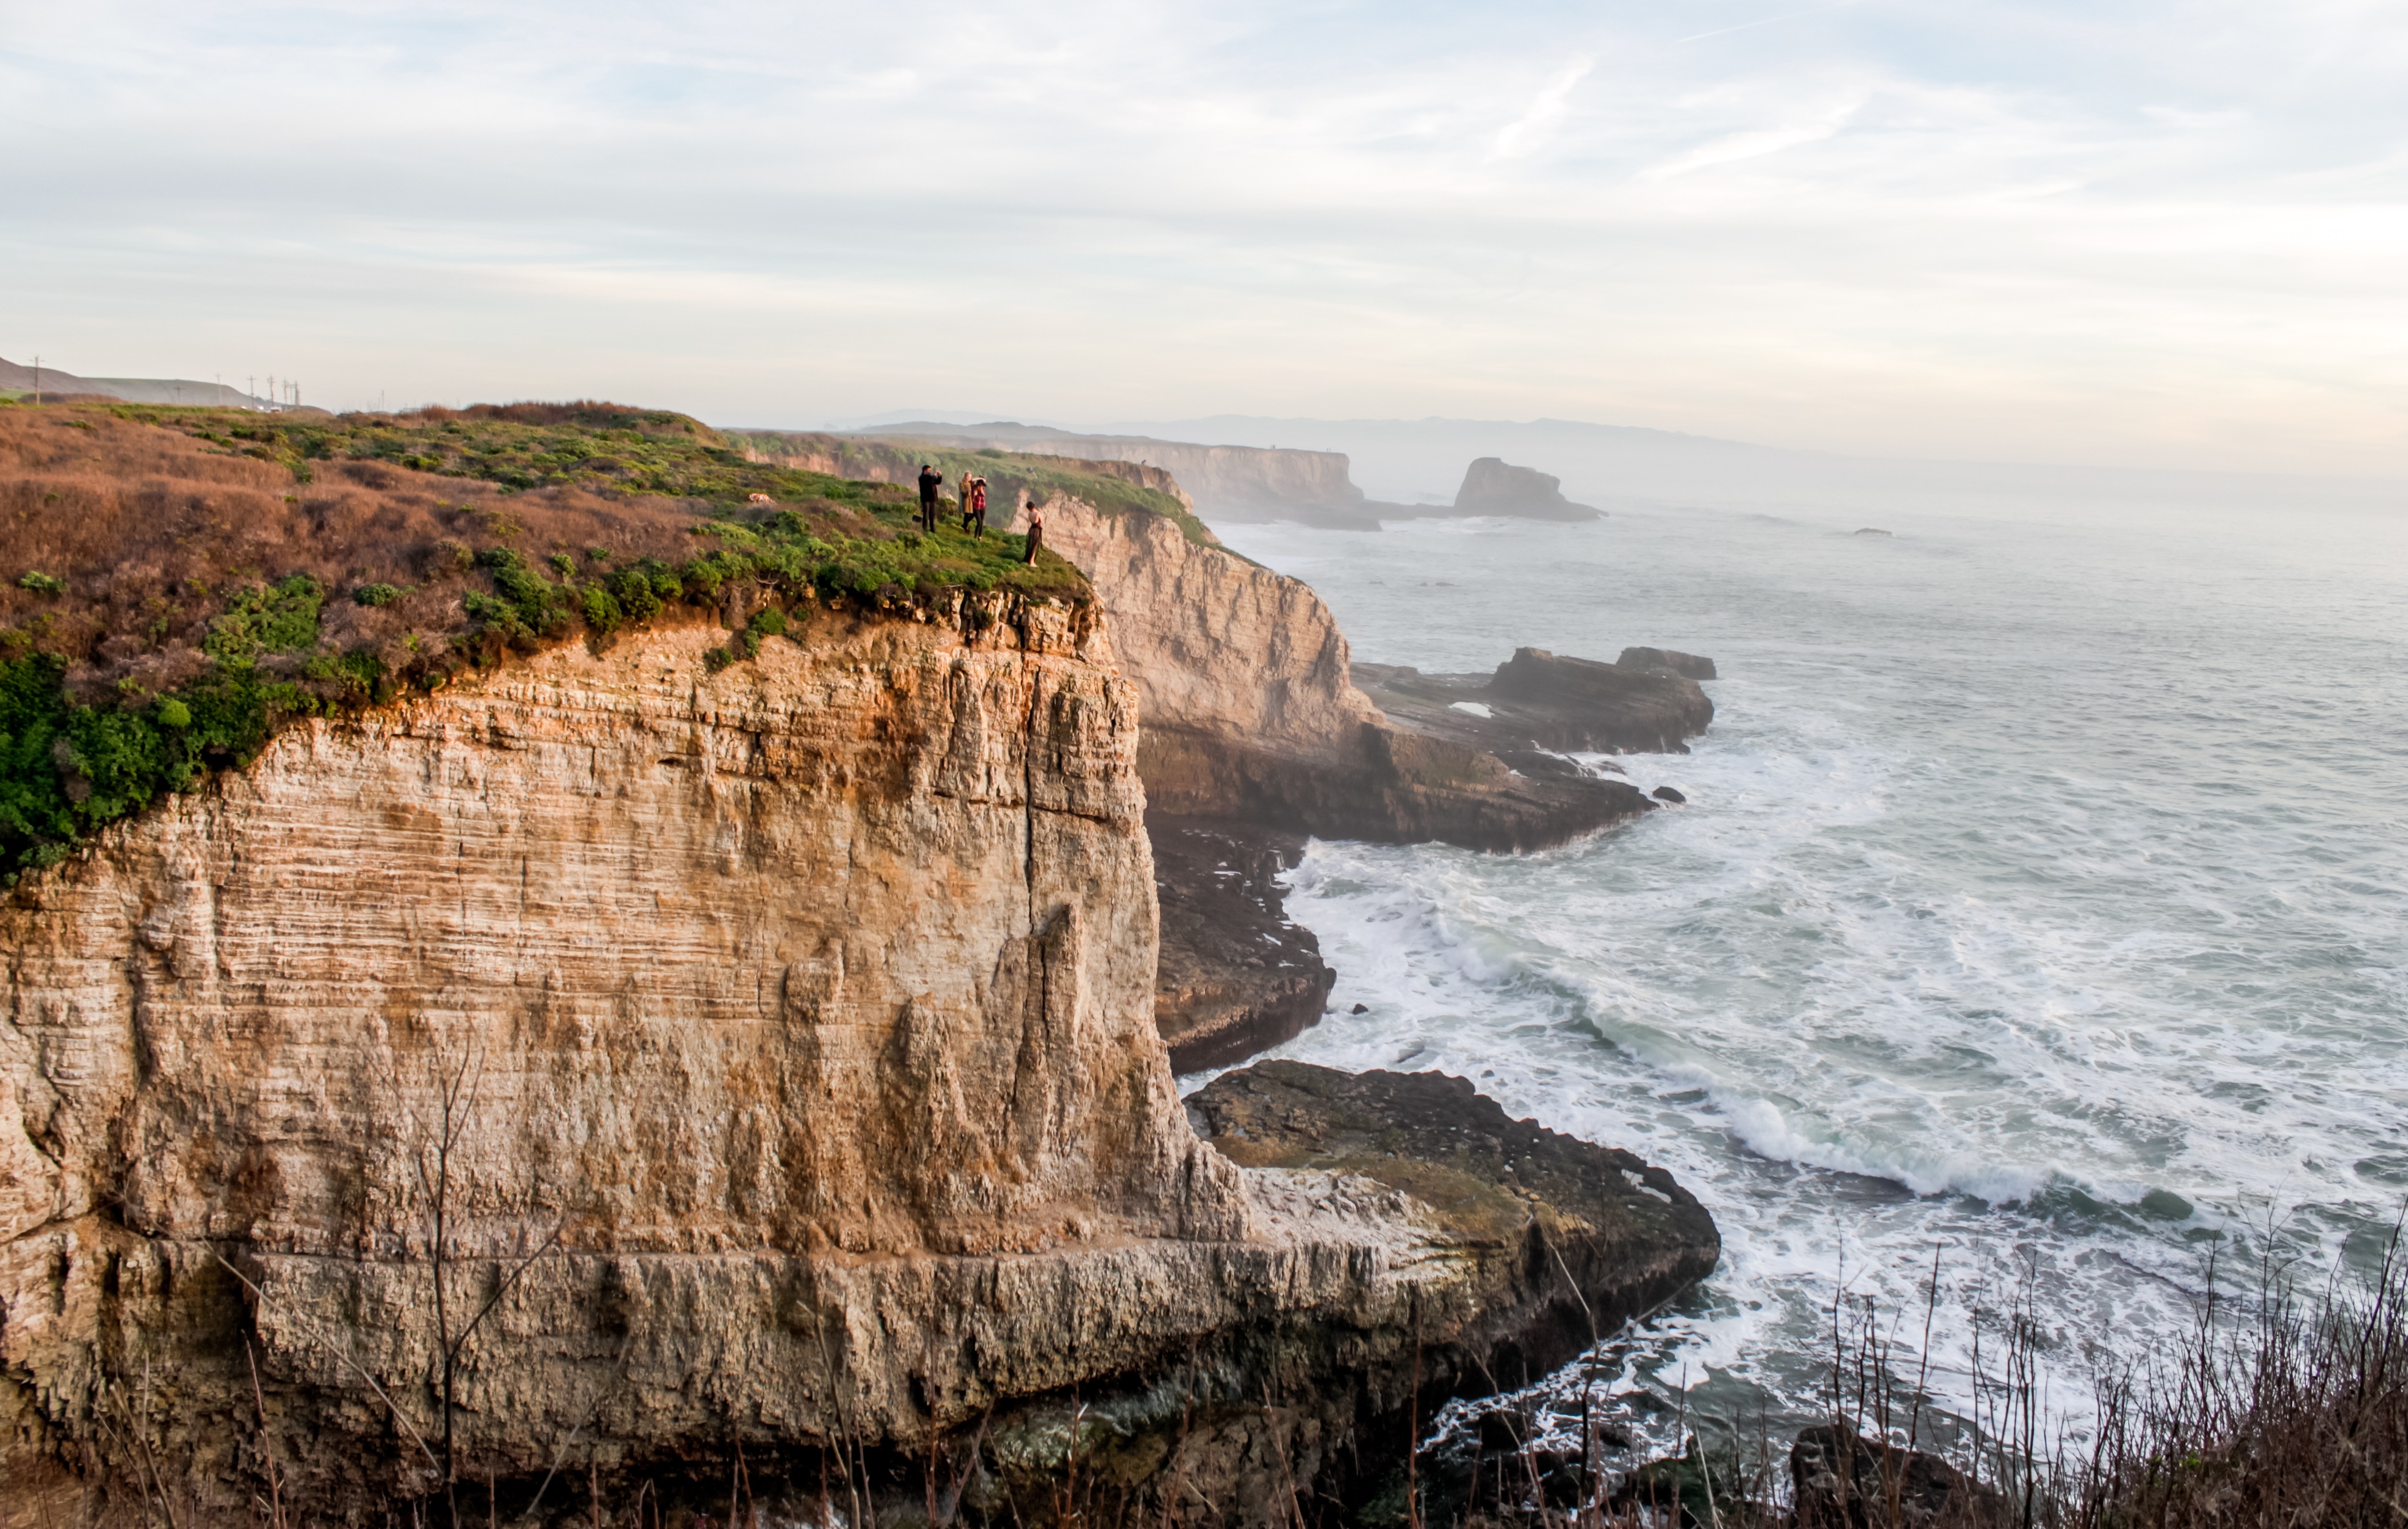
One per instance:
[(2040, 913)]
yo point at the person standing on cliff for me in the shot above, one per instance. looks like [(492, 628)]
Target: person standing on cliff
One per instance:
[(1036, 530), (929, 481), (974, 507)]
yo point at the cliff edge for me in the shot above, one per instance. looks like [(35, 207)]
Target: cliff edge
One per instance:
[(751, 1059)]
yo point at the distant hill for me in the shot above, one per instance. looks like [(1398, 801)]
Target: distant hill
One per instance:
[(133, 390)]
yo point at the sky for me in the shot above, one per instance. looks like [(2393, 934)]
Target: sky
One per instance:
[(2114, 232)]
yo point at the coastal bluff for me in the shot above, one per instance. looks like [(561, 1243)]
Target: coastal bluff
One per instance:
[(760, 1057), (1256, 735)]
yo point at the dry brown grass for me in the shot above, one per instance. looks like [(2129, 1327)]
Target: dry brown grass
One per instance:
[(149, 529)]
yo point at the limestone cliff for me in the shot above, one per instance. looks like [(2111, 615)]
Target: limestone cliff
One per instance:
[(616, 1062), (1251, 711), (1232, 483)]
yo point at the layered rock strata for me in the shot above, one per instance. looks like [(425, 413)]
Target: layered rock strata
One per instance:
[(1252, 713), (610, 1064), (1599, 1235)]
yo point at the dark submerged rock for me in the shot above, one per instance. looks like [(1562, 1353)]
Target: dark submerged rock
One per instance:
[(1668, 793), (1688, 665)]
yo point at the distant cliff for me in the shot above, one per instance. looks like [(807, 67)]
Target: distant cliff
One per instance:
[(1233, 483), (1251, 713)]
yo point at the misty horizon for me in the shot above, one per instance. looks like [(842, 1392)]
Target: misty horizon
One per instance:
[(2149, 238)]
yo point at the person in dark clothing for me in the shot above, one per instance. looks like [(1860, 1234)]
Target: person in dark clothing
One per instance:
[(929, 481), (1036, 532)]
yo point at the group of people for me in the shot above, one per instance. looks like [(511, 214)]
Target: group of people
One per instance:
[(973, 500)]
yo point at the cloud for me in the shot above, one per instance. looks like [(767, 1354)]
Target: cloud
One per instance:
[(1546, 112), (1754, 143), (2036, 229)]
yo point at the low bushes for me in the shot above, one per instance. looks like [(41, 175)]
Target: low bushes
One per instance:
[(172, 607)]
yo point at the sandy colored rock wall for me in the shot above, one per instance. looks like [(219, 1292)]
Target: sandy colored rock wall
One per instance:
[(1215, 644), (1251, 712), (803, 1097), (847, 951)]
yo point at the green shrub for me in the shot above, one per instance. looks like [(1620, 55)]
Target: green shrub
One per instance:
[(41, 584), (377, 594), (66, 769), (260, 620)]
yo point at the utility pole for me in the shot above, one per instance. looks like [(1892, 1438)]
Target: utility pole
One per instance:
[(37, 382)]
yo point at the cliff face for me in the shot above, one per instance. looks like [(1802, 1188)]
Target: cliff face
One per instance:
[(879, 461), (845, 950), (758, 1058), (1251, 711), (1231, 481)]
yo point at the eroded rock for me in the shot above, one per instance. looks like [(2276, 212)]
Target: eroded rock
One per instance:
[(1537, 700), (1572, 1239), (1237, 976), (1252, 713), (804, 1101), (1492, 486), (1688, 665)]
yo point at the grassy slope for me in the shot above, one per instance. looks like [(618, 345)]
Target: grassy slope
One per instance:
[(180, 581), (1043, 478)]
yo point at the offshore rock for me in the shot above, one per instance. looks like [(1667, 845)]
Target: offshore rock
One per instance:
[(1689, 666), (1537, 701), (1841, 1480), (1492, 486)]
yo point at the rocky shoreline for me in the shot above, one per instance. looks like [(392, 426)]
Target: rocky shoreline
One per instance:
[(621, 1075)]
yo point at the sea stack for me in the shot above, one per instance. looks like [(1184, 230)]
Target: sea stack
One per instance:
[(1492, 486)]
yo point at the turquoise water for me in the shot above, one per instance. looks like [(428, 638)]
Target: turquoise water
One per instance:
[(2038, 906)]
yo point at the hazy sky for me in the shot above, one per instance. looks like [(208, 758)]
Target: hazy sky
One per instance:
[(2112, 231)]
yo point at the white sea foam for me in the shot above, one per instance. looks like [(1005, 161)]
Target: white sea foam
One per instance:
[(2026, 881)]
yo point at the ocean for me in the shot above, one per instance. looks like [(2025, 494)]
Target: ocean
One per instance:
[(2039, 914)]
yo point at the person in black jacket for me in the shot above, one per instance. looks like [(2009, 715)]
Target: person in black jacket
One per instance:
[(929, 481)]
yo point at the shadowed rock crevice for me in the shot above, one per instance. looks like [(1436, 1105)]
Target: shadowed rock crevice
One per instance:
[(1237, 976)]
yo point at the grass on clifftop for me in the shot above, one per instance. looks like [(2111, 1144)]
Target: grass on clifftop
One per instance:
[(1110, 488), (179, 582)]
